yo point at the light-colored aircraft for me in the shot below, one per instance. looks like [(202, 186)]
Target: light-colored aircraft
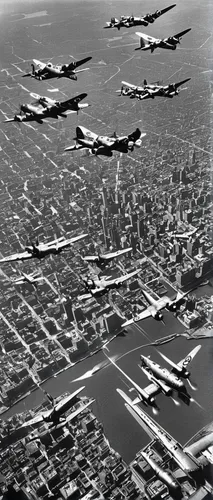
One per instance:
[(148, 42), (41, 250), (55, 416), (166, 381), (45, 71), (103, 259), (185, 235), (103, 145), (129, 21), (156, 306), (45, 107), (32, 278), (99, 287), (150, 90), (187, 458)]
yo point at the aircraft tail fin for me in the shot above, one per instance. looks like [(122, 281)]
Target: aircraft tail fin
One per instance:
[(141, 43)]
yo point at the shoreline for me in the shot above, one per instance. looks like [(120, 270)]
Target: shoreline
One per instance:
[(89, 355)]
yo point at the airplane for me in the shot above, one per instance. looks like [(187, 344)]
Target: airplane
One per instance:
[(55, 417), (156, 306), (45, 71), (129, 21), (185, 457), (41, 250), (45, 107), (32, 278), (143, 396), (99, 287), (165, 381), (185, 235), (148, 42), (148, 91), (165, 476), (103, 145), (102, 260)]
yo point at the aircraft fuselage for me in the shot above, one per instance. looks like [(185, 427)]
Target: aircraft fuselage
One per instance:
[(162, 373)]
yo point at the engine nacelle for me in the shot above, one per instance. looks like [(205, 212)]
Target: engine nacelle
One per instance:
[(172, 306), (157, 315)]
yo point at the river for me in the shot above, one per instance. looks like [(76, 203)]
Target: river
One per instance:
[(123, 432)]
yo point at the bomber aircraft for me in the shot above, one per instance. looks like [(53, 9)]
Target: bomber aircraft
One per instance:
[(162, 380), (102, 260), (186, 235), (45, 71), (129, 21), (32, 278), (103, 145), (55, 417), (148, 42), (156, 306), (99, 287), (41, 250), (189, 458), (150, 90), (165, 381), (45, 107)]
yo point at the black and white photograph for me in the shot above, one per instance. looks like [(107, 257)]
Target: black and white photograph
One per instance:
[(106, 250)]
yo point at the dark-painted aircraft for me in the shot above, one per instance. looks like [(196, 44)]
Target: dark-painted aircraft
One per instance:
[(156, 306), (129, 21), (99, 287), (45, 71), (102, 260), (150, 90), (48, 108), (55, 417), (103, 145), (41, 250), (148, 42)]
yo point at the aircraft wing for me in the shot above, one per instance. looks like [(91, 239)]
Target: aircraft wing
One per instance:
[(162, 303), (91, 258), (68, 241), (130, 85), (78, 238), (122, 279), (37, 419), (135, 135), (18, 281), (179, 35), (163, 11), (112, 255), (40, 65), (76, 64), (146, 37), (177, 85), (143, 315), (17, 257), (74, 414), (71, 102), (85, 296), (64, 402), (185, 362), (200, 445)]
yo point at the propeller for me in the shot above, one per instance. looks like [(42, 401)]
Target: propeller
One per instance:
[(177, 403), (155, 410), (193, 385)]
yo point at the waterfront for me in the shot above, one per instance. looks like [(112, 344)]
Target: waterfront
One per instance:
[(182, 422)]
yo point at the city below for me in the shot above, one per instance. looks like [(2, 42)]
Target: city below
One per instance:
[(106, 256)]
